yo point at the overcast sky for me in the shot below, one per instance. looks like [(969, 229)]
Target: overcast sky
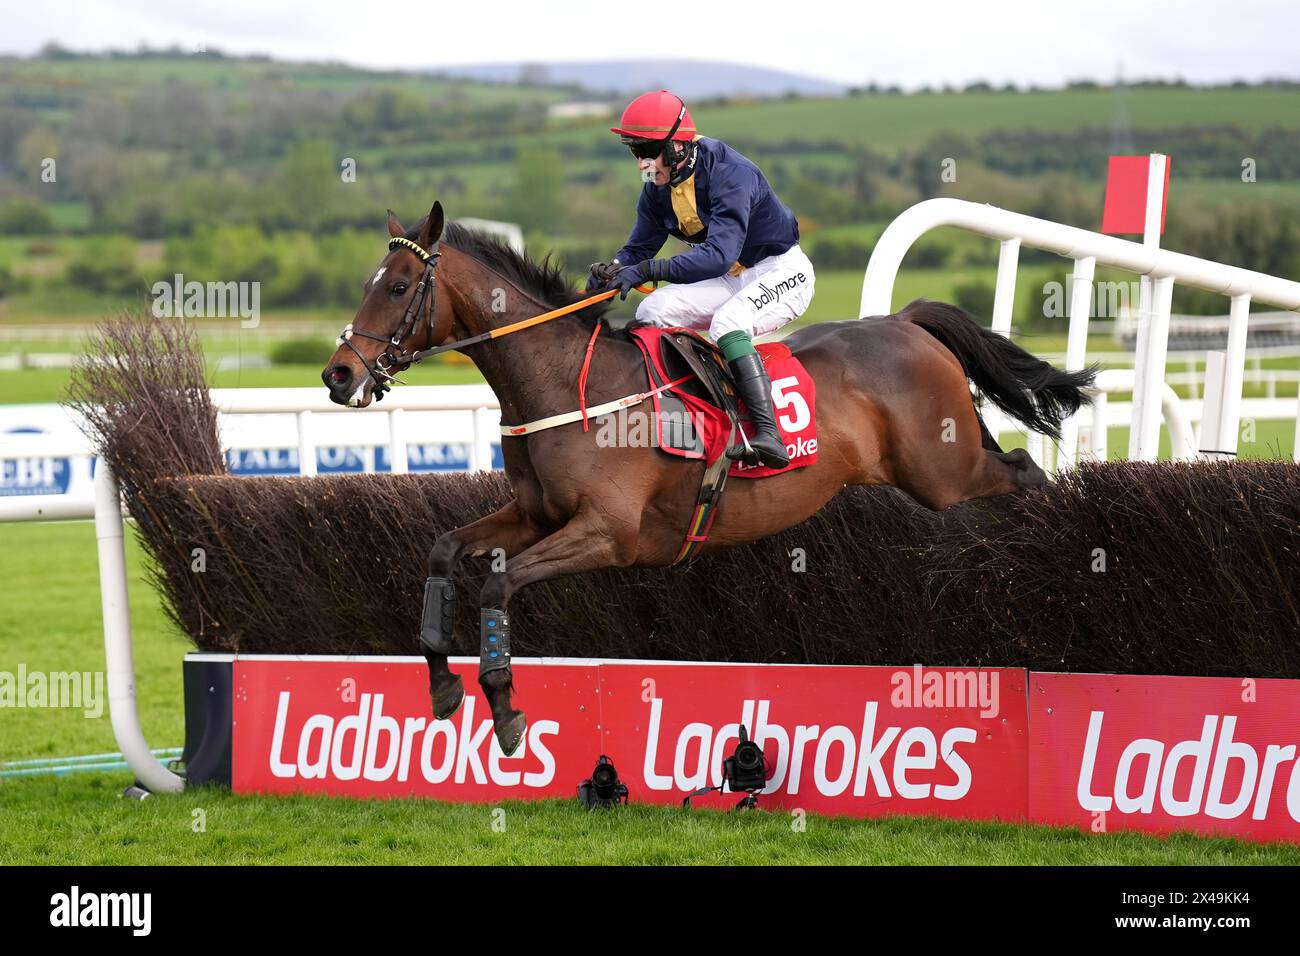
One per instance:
[(908, 42)]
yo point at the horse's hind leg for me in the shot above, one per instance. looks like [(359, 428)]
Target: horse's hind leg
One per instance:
[(1025, 472), (584, 544), (506, 529), (943, 452), (940, 474)]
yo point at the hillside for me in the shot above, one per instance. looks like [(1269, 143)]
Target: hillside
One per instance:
[(693, 79), (219, 166)]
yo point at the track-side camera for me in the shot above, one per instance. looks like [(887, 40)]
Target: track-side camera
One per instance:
[(745, 771), (603, 789)]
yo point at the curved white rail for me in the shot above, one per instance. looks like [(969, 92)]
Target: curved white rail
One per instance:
[(119, 660), (1074, 243), (1159, 268), (1182, 444)]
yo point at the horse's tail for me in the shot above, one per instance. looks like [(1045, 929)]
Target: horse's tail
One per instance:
[(1032, 391)]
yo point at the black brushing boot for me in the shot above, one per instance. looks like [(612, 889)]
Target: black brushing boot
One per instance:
[(756, 392), (437, 621)]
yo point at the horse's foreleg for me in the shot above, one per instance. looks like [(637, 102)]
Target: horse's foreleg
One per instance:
[(506, 529), (584, 544)]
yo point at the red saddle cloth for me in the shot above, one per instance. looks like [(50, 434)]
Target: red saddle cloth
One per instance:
[(794, 401)]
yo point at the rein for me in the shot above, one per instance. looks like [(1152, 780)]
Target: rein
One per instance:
[(380, 370), (715, 475)]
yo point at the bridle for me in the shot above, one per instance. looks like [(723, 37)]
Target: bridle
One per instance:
[(393, 355)]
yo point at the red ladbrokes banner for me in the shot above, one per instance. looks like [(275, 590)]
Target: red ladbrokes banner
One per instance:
[(1214, 755), (864, 741), (363, 728), (1103, 752)]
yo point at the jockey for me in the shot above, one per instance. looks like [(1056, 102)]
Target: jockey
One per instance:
[(744, 274)]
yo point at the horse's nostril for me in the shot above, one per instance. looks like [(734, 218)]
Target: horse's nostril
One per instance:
[(338, 375)]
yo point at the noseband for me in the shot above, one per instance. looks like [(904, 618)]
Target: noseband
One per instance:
[(393, 355)]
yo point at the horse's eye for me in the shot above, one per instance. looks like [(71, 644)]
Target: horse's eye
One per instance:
[(399, 289)]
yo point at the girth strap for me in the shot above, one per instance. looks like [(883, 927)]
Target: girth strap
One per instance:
[(706, 504), (554, 421)]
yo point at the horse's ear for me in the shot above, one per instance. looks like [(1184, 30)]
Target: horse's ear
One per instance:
[(431, 228), (394, 227)]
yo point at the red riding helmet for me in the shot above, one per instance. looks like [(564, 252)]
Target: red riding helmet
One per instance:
[(654, 115)]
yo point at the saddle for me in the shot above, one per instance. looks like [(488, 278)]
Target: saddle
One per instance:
[(670, 356), (697, 413), (685, 352)]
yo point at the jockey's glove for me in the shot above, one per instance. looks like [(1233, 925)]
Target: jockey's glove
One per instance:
[(601, 273), (649, 270)]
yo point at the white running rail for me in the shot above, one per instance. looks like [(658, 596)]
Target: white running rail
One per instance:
[(478, 403), (106, 509), (1088, 249), (118, 657)]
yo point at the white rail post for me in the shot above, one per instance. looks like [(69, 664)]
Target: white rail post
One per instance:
[(119, 662), (1148, 318), (1034, 445), (1147, 426), (306, 445), (1226, 414), (1004, 295), (1209, 444), (1098, 444), (1076, 349), (1295, 449), (1182, 443), (1140, 344), (481, 453), (397, 463)]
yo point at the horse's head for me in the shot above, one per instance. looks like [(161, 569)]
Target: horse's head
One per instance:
[(401, 312)]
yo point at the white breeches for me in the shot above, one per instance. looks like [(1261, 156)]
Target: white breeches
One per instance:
[(759, 300)]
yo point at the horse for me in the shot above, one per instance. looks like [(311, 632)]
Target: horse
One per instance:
[(893, 407)]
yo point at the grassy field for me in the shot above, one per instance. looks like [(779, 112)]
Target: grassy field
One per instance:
[(829, 129), (79, 819), (837, 297), (883, 122), (50, 385), (892, 124), (94, 827), (75, 77), (889, 123)]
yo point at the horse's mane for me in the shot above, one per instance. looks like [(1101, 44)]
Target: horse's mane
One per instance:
[(543, 279)]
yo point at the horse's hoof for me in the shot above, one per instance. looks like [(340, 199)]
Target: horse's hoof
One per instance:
[(448, 698), (512, 734)]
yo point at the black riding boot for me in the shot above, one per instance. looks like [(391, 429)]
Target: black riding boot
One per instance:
[(756, 392)]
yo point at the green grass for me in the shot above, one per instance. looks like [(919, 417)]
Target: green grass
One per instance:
[(315, 830), (50, 620), (78, 76), (838, 295), (1272, 440), (50, 385), (892, 124), (80, 819)]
